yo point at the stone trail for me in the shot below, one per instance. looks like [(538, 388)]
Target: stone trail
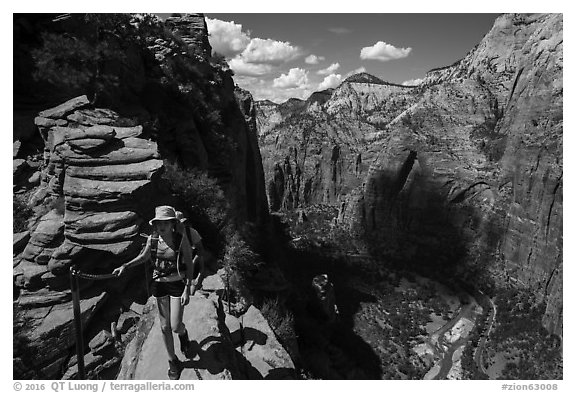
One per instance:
[(224, 347)]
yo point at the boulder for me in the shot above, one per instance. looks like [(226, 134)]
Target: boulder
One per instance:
[(65, 108)]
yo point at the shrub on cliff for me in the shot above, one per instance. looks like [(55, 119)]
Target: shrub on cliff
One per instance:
[(240, 265), (205, 202), (21, 214), (282, 323)]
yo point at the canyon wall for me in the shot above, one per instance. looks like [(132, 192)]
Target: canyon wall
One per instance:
[(465, 166)]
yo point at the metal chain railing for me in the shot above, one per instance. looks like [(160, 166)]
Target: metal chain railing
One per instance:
[(75, 275)]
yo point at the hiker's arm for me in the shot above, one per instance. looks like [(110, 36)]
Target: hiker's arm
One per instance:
[(142, 257)]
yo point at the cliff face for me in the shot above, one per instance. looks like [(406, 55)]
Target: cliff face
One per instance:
[(100, 178), (315, 151), (466, 166)]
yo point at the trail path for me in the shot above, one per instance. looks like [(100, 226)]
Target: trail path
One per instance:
[(224, 347)]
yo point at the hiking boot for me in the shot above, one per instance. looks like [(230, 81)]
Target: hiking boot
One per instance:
[(185, 346), (174, 368)]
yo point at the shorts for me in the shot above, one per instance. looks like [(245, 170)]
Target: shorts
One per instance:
[(171, 288)]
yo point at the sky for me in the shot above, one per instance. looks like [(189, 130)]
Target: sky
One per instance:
[(279, 56)]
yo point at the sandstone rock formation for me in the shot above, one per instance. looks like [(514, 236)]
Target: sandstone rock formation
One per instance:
[(100, 172), (98, 177)]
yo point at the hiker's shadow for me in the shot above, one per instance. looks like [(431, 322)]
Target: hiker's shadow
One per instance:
[(220, 356), (213, 359), (253, 337)]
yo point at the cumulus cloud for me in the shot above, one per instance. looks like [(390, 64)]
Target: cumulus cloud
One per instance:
[(340, 30), (313, 59), (296, 78), (356, 71), (227, 38), (241, 67), (331, 80), (329, 70), (263, 90), (413, 82), (269, 51), (383, 52), (248, 56)]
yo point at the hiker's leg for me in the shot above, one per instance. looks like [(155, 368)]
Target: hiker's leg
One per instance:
[(165, 326), (176, 315)]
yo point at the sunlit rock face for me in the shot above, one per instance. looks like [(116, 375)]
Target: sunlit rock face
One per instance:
[(472, 154)]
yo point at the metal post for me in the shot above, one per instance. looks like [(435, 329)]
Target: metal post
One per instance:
[(77, 322)]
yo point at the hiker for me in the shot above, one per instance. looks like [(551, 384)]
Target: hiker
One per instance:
[(173, 259)]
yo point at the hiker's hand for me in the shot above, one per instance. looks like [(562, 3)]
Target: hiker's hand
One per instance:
[(119, 270), (185, 298), (193, 290)]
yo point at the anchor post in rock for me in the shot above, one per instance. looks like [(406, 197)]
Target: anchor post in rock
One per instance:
[(77, 322)]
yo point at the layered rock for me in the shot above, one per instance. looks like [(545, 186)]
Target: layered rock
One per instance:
[(314, 151), (99, 177), (102, 173)]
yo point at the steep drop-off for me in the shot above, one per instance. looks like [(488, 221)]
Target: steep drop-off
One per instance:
[(461, 174)]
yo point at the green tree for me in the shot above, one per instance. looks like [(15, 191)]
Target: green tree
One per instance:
[(90, 56)]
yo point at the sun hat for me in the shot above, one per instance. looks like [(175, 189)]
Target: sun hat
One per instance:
[(164, 213)]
